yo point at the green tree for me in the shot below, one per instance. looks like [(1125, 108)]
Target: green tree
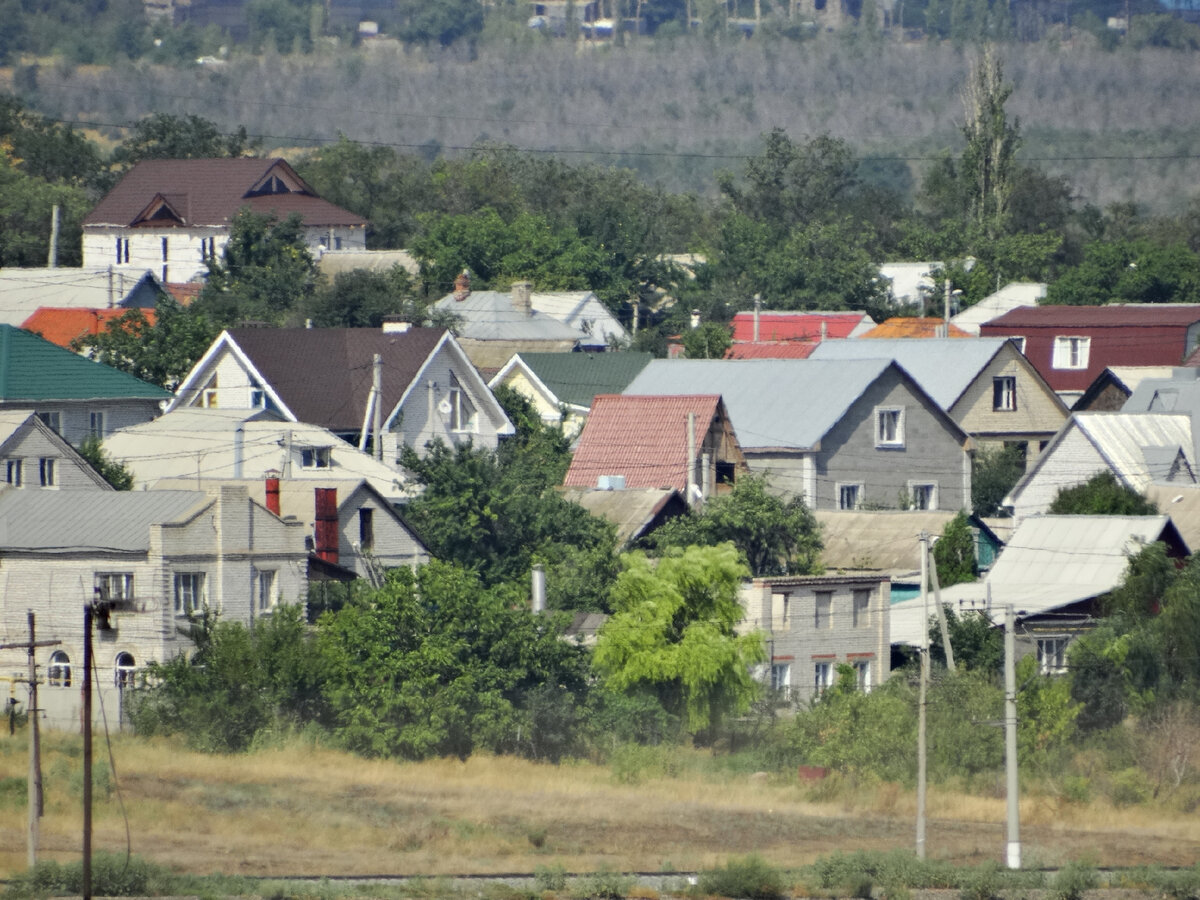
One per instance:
[(775, 537), (26, 211), (1101, 495), (709, 340), (954, 553), (40, 148), (442, 23), (988, 160), (112, 472), (167, 136), (362, 298), (672, 632), (977, 643), (994, 472)]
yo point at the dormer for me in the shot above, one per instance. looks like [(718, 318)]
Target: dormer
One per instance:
[(280, 179), (164, 209)]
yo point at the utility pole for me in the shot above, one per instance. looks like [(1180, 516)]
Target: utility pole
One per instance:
[(377, 390), (921, 702), (941, 614), (1013, 848)]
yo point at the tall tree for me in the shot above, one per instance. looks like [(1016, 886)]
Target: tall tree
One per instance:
[(167, 136), (988, 161)]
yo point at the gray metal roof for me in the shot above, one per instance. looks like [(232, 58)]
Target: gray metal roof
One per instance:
[(72, 521), (773, 403), (491, 316), (944, 367), (1178, 391)]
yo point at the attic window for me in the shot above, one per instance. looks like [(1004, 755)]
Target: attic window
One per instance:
[(315, 457), (273, 185), (1163, 400)]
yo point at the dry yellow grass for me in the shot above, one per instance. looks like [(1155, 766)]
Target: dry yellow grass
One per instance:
[(303, 810)]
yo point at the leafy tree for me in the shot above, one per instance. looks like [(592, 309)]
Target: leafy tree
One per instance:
[(167, 136), (40, 148), (977, 643), (112, 472), (954, 553), (26, 210), (1097, 682), (709, 340), (774, 536), (443, 23), (361, 298), (1046, 714), (285, 23), (1132, 271), (672, 632), (992, 142), (1101, 495), (994, 472)]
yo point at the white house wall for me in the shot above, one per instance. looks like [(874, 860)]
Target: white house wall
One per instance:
[(1073, 461), (75, 415), (420, 421), (31, 446)]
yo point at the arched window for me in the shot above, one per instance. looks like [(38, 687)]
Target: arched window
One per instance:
[(59, 673), (124, 670)]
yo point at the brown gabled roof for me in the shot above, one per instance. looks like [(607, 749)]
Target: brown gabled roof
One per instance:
[(209, 192), (643, 438), (1114, 316), (324, 374)]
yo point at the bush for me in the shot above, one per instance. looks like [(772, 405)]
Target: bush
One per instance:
[(549, 878), (1130, 787), (982, 883), (751, 878), (603, 885), (113, 875), (1073, 881), (1077, 789)]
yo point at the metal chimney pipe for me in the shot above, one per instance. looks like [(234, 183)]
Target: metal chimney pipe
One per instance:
[(538, 580)]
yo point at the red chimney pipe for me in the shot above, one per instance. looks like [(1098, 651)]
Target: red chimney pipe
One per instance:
[(327, 524), (273, 495)]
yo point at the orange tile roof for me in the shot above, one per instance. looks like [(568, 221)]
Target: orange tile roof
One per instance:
[(771, 350), (913, 327), (184, 292), (643, 438), (61, 326)]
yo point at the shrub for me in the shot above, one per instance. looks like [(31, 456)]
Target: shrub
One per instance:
[(113, 875), (982, 883), (603, 885), (1074, 880), (1077, 789), (752, 878), (550, 878), (1130, 787)]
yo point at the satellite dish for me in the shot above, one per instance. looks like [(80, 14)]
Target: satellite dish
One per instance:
[(444, 407)]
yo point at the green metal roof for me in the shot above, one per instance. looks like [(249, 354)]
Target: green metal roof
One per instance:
[(34, 369), (576, 378)]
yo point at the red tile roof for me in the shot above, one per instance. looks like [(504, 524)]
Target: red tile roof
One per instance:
[(643, 438), (771, 350), (1114, 316), (61, 326), (787, 326), (913, 327), (209, 192)]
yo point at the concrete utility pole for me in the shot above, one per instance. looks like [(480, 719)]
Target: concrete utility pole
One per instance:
[(921, 702), (941, 614), (1013, 848)]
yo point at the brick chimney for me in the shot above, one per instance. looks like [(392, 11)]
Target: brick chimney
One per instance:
[(273, 493), (522, 297), (327, 524), (462, 286)]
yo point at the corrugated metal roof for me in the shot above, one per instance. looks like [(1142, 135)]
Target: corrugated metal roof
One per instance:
[(1123, 437), (1117, 315), (576, 378), (1175, 391), (786, 403), (771, 350), (630, 510), (90, 520), (803, 326), (33, 369), (491, 316), (911, 327), (24, 290), (581, 310), (944, 367)]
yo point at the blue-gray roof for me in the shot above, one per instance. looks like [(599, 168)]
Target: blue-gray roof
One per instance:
[(491, 316), (772, 403), (944, 367), (73, 521), (1178, 394)]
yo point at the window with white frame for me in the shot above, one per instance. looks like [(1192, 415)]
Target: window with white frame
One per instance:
[(823, 610), (124, 670), (849, 495), (1071, 352), (822, 677), (53, 419), (889, 426), (1052, 655), (191, 593), (58, 673), (114, 585), (315, 457), (267, 589), (860, 609), (862, 674), (48, 471), (922, 495), (96, 424), (14, 472), (781, 679), (462, 411), (1004, 393)]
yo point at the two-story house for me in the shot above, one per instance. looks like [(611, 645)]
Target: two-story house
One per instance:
[(33, 456)]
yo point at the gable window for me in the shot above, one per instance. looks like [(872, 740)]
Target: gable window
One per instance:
[(114, 585), (14, 472), (53, 419), (1052, 655), (822, 677), (315, 457), (59, 671), (96, 424), (1071, 352), (267, 589), (889, 426), (258, 398), (849, 496), (48, 472), (462, 411), (861, 609), (366, 528), (862, 675), (922, 495), (823, 611), (191, 593), (124, 670), (1004, 393), (781, 679)]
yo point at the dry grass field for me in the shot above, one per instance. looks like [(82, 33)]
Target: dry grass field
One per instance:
[(302, 810)]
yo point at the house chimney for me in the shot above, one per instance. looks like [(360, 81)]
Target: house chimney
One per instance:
[(757, 312), (327, 524), (824, 329), (395, 324), (695, 319), (462, 286), (273, 493), (539, 588), (522, 299)]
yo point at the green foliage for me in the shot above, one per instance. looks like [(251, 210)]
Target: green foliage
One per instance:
[(550, 878), (112, 874), (978, 645), (602, 885), (991, 146), (708, 341), (113, 472), (362, 298), (775, 537), (167, 136), (672, 630), (442, 23), (954, 553), (984, 882), (960, 711), (840, 871), (1074, 880), (994, 472), (1046, 715), (1101, 495), (750, 877), (1141, 270)]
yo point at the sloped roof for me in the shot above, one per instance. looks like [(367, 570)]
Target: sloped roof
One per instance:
[(209, 192), (581, 310), (644, 438), (33, 369), (576, 378), (945, 367), (771, 350), (631, 510), (335, 262), (910, 327), (62, 326), (1182, 504), (1009, 297), (73, 521), (1117, 315), (1176, 391), (799, 326), (772, 403), (881, 541), (24, 290), (491, 316)]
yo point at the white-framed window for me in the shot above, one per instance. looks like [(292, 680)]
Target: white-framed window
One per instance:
[(114, 585), (1052, 655), (53, 419), (463, 416), (96, 424), (1004, 393), (267, 589), (922, 495), (209, 395), (58, 673), (822, 677), (122, 250), (889, 426), (781, 679), (315, 457), (862, 674), (124, 670), (823, 610), (48, 471), (860, 609), (14, 472), (1071, 352), (849, 495), (191, 592)]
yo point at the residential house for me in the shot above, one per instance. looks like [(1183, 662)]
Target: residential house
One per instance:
[(1071, 345), (65, 326), (160, 556), (1140, 449), (323, 376), (761, 334), (35, 457), (1175, 391), (684, 442), (636, 512), (75, 396), (205, 445), (842, 434), (912, 327), (1115, 385), (986, 385), (562, 386), (1055, 573), (104, 287), (814, 623), (173, 215), (1012, 296)]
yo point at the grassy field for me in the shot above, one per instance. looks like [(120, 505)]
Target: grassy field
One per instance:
[(301, 810)]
